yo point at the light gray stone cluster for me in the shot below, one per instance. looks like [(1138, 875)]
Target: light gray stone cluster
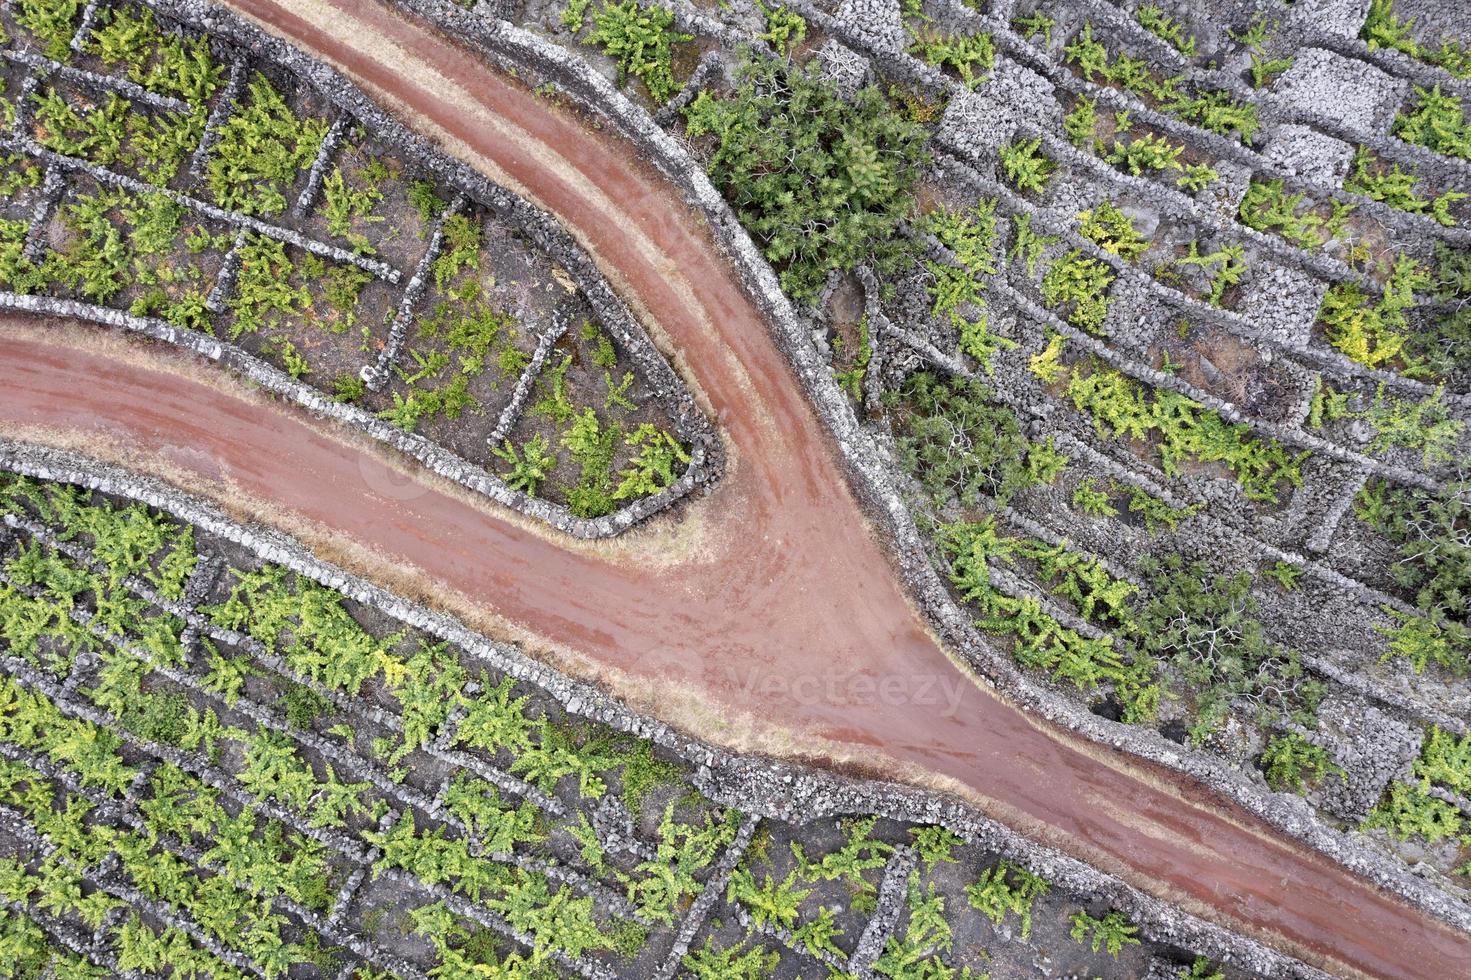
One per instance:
[(1372, 748), (1304, 152), (1354, 94)]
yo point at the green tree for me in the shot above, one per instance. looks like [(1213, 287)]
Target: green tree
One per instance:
[(820, 182)]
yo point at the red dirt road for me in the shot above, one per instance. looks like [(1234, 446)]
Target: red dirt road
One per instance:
[(788, 611)]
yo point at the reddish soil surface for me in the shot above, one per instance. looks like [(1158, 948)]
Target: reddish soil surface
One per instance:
[(787, 612)]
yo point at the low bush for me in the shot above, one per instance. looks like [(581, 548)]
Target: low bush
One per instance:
[(638, 38), (1397, 188), (1077, 285), (820, 181), (1437, 122)]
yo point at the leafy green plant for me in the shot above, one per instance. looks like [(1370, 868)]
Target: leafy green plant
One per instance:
[(1081, 123), (1227, 265), (1033, 24), (1108, 227), (1090, 498), (1166, 28), (1078, 284), (971, 55), (52, 21), (638, 38), (1007, 888), (1025, 166), (1144, 154), (1383, 29), (1285, 574), (1200, 969), (530, 467), (785, 29), (1437, 122), (1027, 245), (1289, 760), (1111, 933), (851, 173), (261, 149), (1373, 334), (935, 845), (1396, 188), (1267, 206)]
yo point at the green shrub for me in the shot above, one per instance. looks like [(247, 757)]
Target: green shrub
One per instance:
[(1204, 624), (1436, 122), (1034, 24), (1409, 811), (1396, 188), (1373, 334), (1078, 285), (785, 29), (1144, 153), (1267, 206), (1186, 430), (1218, 111), (1227, 265), (640, 41), (1112, 932), (1384, 29), (1007, 888), (971, 55), (1041, 642), (1027, 244), (793, 156), (1108, 227), (957, 442), (261, 149), (1433, 562), (1081, 124), (1289, 761), (1167, 29), (1442, 344), (52, 21), (1025, 166)]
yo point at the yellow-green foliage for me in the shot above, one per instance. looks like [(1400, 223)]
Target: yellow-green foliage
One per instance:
[(1437, 122), (1108, 227), (1078, 285), (1383, 28), (640, 40), (1373, 333), (1025, 165), (971, 55), (1185, 431), (1397, 188)]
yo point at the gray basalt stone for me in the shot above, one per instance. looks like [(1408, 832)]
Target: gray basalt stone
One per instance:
[(844, 67), (988, 118), (1283, 303), (1332, 18), (1371, 746), (876, 23), (1309, 154), (1344, 90)]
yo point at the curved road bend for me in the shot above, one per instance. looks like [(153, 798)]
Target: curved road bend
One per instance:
[(788, 583)]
